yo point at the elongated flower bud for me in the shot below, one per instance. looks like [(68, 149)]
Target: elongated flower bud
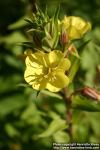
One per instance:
[(92, 93), (64, 38)]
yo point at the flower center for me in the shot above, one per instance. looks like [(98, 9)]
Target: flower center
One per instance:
[(48, 72)]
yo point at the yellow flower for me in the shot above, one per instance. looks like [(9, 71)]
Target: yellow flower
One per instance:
[(76, 27), (47, 70)]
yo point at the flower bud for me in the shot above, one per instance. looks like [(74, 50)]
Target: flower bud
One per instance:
[(76, 27), (73, 51), (64, 38), (92, 93)]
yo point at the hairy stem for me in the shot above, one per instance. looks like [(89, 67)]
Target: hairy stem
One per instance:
[(68, 103)]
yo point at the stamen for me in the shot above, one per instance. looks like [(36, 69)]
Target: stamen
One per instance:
[(45, 62)]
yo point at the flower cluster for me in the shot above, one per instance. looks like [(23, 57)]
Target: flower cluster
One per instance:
[(47, 67)]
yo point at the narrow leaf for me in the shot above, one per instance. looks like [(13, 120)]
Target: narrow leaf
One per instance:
[(83, 103), (76, 62), (57, 13), (55, 126)]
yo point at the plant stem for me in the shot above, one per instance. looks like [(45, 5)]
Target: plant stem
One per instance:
[(68, 103)]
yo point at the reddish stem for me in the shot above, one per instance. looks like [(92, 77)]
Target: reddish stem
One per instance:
[(68, 103)]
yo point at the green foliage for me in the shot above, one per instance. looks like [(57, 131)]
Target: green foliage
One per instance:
[(86, 104), (54, 128)]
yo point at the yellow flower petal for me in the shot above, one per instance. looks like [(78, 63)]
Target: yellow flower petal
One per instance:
[(41, 58), (28, 52), (74, 33), (31, 62), (60, 80), (38, 57), (40, 85), (52, 88), (30, 74), (32, 69), (64, 64), (46, 70), (75, 27), (77, 22), (86, 28), (54, 57), (29, 77)]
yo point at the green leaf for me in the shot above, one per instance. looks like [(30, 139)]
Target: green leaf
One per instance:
[(61, 137), (29, 21), (81, 46), (14, 38), (81, 128), (11, 104), (40, 18), (39, 11), (27, 45), (76, 62), (56, 13), (23, 85), (20, 23), (54, 115), (55, 126), (90, 62), (84, 103), (74, 69), (48, 93), (47, 49), (11, 130), (31, 114)]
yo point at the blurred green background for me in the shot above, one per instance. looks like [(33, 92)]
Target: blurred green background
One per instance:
[(23, 117)]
